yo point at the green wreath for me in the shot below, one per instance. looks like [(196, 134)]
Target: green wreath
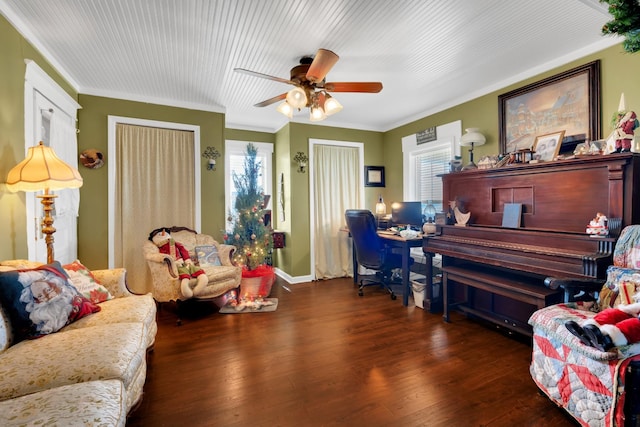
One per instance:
[(626, 22)]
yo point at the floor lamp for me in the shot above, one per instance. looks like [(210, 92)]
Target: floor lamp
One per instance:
[(43, 170)]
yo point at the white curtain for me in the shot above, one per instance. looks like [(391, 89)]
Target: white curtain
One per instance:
[(337, 188), (63, 140), (155, 187)]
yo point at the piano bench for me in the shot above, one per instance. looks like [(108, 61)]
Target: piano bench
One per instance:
[(509, 284)]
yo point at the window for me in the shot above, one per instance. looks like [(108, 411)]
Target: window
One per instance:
[(422, 163), (234, 162), (428, 163)]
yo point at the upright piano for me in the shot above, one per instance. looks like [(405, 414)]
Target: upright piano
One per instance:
[(497, 273)]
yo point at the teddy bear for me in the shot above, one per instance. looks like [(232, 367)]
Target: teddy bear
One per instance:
[(186, 268)]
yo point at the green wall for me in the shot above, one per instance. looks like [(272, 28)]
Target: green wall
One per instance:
[(14, 50), (619, 72), (93, 220), (295, 259)]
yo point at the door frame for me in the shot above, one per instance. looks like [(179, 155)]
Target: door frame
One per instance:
[(38, 88), (111, 172), (312, 205)]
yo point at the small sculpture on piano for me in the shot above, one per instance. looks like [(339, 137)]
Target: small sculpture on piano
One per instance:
[(598, 227), (461, 218)]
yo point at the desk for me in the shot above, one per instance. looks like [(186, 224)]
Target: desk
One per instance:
[(405, 245)]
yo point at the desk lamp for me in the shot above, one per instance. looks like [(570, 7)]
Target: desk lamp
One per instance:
[(381, 209), (472, 138), (43, 170)]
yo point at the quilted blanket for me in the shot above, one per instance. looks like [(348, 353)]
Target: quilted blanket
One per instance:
[(587, 383)]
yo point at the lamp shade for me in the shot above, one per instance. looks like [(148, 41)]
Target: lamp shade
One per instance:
[(42, 169), (381, 208), (285, 109), (331, 105), (472, 137), (297, 97)]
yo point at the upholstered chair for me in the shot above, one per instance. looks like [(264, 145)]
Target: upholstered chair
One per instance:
[(164, 270), (581, 371)]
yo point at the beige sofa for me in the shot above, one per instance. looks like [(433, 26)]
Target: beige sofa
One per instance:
[(91, 372)]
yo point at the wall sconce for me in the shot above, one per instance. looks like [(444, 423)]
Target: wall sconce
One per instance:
[(301, 159), (212, 154)]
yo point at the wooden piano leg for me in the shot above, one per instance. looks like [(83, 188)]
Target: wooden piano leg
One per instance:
[(445, 297)]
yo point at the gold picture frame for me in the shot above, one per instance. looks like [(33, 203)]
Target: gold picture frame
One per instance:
[(546, 147)]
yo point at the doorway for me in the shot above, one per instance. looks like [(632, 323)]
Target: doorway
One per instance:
[(50, 117), (336, 184)]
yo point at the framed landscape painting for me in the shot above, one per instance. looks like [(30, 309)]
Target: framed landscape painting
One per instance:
[(568, 101)]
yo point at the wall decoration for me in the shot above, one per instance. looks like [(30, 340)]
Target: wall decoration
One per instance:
[(281, 198), (92, 158), (427, 135), (546, 147), (374, 176), (569, 101)]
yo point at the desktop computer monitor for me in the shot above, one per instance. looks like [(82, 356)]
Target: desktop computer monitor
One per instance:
[(407, 214)]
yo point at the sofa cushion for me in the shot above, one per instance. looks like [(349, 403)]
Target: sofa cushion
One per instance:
[(6, 331), (93, 403), (41, 301), (133, 309), (207, 256), (112, 351), (86, 283)]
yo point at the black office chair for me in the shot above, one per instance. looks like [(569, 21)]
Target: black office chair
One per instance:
[(370, 250)]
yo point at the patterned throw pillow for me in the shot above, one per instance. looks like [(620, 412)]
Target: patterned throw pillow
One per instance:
[(41, 301), (207, 256), (82, 279)]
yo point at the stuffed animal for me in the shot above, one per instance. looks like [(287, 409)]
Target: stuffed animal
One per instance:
[(186, 268)]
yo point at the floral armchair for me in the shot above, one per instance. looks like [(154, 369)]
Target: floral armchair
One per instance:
[(595, 387), (222, 274)]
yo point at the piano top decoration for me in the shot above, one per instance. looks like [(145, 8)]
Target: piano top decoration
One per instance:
[(461, 218), (598, 226)]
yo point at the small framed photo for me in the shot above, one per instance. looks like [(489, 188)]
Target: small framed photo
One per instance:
[(546, 147), (374, 176)]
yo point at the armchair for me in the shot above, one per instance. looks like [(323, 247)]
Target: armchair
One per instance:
[(595, 387), (164, 271), (370, 250)]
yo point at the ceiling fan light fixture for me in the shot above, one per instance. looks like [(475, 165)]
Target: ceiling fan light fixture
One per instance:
[(317, 114), (285, 109), (331, 105), (297, 98)]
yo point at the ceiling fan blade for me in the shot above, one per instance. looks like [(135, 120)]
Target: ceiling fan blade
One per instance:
[(271, 100), (263, 76), (367, 87), (322, 63)]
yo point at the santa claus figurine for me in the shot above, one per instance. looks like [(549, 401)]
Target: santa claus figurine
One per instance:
[(612, 327), (624, 131), (186, 268)]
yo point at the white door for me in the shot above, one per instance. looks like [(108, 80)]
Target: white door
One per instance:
[(50, 117)]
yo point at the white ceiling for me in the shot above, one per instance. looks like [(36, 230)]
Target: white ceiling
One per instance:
[(429, 54)]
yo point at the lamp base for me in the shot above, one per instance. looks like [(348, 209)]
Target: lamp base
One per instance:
[(470, 166), (47, 222)]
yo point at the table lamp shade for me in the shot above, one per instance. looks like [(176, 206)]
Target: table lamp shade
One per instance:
[(42, 169), (472, 137)]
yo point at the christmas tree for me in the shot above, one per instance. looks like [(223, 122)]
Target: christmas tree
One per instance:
[(251, 237), (626, 22)]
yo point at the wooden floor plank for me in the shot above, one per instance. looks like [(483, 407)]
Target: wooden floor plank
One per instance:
[(328, 357)]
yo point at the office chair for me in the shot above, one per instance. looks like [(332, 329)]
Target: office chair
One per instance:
[(370, 250)]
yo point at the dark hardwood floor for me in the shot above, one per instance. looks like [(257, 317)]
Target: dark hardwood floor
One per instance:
[(327, 357)]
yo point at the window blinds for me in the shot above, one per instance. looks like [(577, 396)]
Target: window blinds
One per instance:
[(429, 163)]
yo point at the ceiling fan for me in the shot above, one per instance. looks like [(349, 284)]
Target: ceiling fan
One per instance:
[(311, 88)]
